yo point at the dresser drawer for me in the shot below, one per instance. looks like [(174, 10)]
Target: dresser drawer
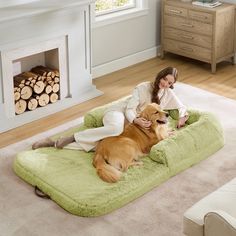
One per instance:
[(187, 25), (187, 50), (188, 37), (175, 11), (201, 16)]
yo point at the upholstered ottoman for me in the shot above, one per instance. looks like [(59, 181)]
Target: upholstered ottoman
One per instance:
[(214, 215)]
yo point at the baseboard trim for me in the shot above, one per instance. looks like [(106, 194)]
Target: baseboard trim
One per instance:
[(123, 62)]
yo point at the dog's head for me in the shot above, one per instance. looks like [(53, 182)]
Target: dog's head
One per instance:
[(155, 114)]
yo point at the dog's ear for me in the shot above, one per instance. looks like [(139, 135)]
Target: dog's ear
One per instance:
[(158, 108), (146, 113)]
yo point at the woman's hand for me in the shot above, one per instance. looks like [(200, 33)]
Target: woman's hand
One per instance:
[(142, 122), (182, 121)]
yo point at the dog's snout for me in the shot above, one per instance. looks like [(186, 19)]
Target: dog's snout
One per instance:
[(167, 115)]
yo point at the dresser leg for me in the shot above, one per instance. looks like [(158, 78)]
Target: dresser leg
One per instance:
[(234, 59), (213, 68), (162, 53)]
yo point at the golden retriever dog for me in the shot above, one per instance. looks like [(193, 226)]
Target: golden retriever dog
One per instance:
[(115, 155)]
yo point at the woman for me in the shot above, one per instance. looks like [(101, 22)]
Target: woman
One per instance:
[(159, 92)]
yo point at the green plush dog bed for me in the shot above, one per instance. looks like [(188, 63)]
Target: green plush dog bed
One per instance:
[(70, 179)]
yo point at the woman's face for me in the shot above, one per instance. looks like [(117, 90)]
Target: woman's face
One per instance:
[(166, 81)]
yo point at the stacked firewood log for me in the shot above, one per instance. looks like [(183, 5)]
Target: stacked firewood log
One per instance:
[(34, 88)]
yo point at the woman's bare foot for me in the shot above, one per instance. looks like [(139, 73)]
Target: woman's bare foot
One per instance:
[(47, 142), (62, 142)]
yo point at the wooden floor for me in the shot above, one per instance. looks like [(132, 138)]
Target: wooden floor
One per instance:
[(121, 83)]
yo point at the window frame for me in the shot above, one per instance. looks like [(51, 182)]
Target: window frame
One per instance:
[(113, 10), (140, 9)]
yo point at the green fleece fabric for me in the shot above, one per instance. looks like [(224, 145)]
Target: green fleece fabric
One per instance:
[(69, 178), (191, 144)]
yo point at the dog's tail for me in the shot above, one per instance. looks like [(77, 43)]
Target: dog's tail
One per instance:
[(106, 172)]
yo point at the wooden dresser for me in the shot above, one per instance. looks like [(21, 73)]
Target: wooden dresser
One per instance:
[(205, 34)]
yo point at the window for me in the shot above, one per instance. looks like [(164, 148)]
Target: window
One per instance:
[(111, 11), (109, 6)]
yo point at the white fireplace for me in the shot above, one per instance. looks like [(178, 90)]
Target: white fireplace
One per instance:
[(55, 35)]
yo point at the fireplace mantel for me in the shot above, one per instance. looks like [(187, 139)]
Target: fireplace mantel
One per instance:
[(36, 7), (36, 28)]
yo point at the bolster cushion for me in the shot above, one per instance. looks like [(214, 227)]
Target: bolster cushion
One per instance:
[(201, 137)]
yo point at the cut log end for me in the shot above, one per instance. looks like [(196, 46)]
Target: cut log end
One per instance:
[(20, 106), (43, 99), (55, 88), (32, 104), (53, 97), (26, 92), (17, 96), (39, 87)]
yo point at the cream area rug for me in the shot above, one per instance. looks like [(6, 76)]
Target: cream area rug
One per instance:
[(157, 213)]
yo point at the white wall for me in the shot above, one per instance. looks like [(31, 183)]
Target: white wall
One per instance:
[(126, 42), (121, 44)]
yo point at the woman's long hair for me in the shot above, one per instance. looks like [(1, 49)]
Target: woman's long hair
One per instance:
[(162, 74)]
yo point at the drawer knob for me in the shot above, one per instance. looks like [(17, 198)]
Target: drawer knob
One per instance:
[(186, 49), (175, 11), (200, 16)]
